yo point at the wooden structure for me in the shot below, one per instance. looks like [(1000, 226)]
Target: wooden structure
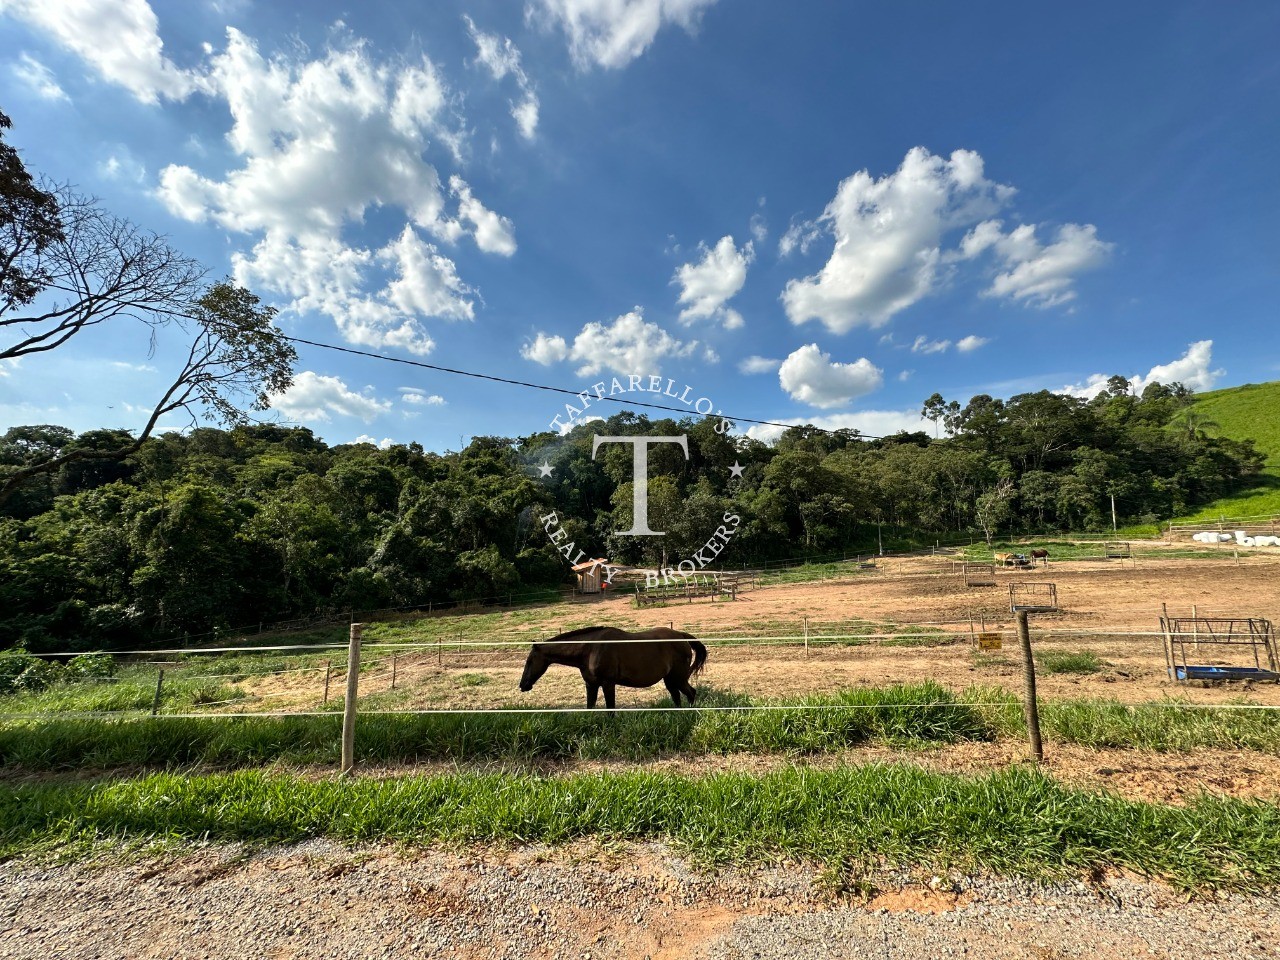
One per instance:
[(979, 574), (591, 574), (1255, 635), (1033, 597), (687, 589), (1117, 550), (735, 582)]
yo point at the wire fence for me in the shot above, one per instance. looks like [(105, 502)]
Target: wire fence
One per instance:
[(402, 662), (766, 571)]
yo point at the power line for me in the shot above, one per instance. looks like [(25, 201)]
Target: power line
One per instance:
[(550, 389)]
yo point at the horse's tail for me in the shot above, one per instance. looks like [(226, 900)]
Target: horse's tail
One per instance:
[(699, 657)]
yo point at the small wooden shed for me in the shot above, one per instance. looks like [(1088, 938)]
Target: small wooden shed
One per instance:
[(591, 574)]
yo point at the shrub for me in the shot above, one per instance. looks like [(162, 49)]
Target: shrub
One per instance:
[(90, 666), (20, 672)]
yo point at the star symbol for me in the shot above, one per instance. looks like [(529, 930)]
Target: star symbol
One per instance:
[(545, 469), (735, 472)]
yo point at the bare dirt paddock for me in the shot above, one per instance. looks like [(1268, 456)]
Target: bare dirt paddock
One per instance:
[(1098, 600)]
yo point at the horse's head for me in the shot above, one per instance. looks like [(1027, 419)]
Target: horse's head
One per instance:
[(534, 667)]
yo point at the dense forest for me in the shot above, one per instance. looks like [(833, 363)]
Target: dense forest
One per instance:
[(260, 522)]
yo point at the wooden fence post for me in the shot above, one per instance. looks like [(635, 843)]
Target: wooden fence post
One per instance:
[(349, 707), (395, 662), (155, 703), (328, 672), (1030, 708)]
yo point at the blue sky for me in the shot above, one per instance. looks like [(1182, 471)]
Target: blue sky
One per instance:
[(818, 215)]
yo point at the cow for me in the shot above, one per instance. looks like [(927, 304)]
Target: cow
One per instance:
[(1012, 559)]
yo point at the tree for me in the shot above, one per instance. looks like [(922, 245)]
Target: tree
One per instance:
[(66, 265), (993, 508), (96, 268), (237, 358), (935, 409), (29, 225)]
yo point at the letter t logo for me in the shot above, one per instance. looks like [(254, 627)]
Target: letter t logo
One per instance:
[(640, 482)]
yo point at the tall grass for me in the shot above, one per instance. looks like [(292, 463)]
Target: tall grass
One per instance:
[(1167, 725), (131, 689), (1015, 821), (923, 713), (920, 715)]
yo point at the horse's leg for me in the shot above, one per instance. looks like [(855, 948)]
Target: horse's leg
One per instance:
[(593, 688), (673, 687), (609, 690), (689, 692)]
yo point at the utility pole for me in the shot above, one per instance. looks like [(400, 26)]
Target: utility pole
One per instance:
[(1113, 513)]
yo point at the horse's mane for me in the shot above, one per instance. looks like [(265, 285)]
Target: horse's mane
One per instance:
[(575, 633)]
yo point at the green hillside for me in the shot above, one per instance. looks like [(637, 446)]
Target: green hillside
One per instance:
[(1249, 412)]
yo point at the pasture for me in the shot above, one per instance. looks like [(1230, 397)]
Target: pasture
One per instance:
[(849, 672)]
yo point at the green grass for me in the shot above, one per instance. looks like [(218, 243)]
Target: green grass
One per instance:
[(1013, 822), (883, 715), (1062, 550), (1166, 725), (1249, 412), (133, 688), (1067, 661)]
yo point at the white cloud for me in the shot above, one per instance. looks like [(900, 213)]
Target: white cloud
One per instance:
[(121, 164), (872, 423), (545, 349), (416, 397), (799, 236), (923, 344), (502, 58), (759, 227), (810, 376), (36, 77), (120, 39), (316, 397), (971, 343), (706, 285), (891, 244), (385, 443), (628, 345), (493, 233), (134, 367), (1039, 275), (322, 142), (888, 235), (612, 33), (1194, 369), (905, 375), (757, 364)]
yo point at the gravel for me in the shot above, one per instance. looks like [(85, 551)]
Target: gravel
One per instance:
[(588, 902)]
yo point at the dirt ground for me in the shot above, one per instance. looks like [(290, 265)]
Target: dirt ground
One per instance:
[(588, 902), (1096, 600)]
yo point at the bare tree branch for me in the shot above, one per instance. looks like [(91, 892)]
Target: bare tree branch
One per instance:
[(236, 359)]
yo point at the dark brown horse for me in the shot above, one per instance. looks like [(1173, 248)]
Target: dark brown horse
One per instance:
[(647, 657)]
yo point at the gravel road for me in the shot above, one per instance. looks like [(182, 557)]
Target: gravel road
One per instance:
[(588, 903)]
